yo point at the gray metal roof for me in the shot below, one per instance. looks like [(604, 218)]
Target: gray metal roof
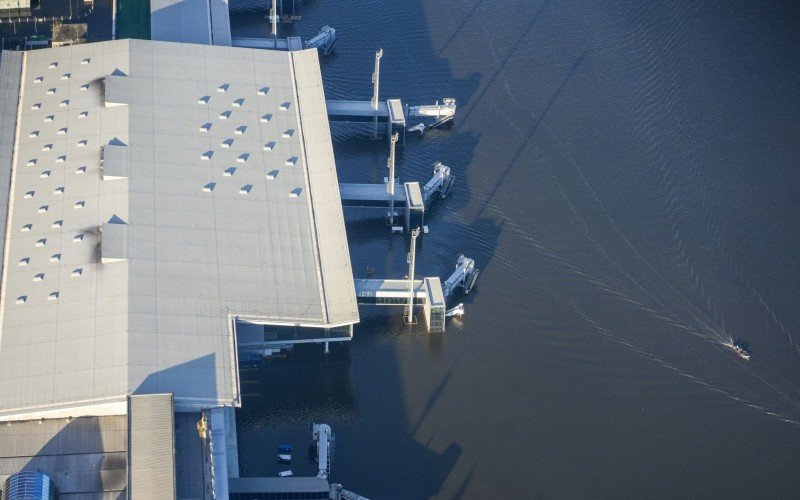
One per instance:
[(151, 451), (231, 203), (83, 456)]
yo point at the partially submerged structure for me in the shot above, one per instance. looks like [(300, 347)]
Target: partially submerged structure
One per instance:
[(155, 195)]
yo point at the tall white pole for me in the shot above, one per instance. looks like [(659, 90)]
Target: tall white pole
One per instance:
[(411, 260), (273, 17), (376, 78), (390, 185)]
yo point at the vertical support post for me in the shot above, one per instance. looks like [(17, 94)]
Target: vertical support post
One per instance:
[(376, 77), (412, 254), (391, 185), (273, 17), (327, 349)]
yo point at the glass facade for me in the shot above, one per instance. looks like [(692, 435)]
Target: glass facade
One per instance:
[(280, 496), (29, 485), (436, 319)]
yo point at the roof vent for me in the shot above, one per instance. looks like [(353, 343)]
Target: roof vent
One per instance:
[(51, 91), (80, 170), (205, 127), (83, 114), (271, 175), (117, 89), (64, 103), (53, 296), (55, 257), (86, 61), (223, 88), (204, 99), (78, 237), (62, 131), (33, 134), (43, 209), (49, 118), (53, 65), (227, 143), (38, 277), (30, 194), (263, 91), (242, 157), (85, 86), (294, 193), (22, 299), (285, 106), (79, 204), (26, 228), (65, 76), (77, 272), (266, 118), (209, 187), (115, 160), (61, 159), (291, 161), (47, 147), (288, 133), (38, 105), (57, 223), (224, 115), (240, 129), (30, 162), (207, 155), (229, 171), (59, 190), (38, 79), (114, 242), (238, 103), (269, 146), (82, 143), (246, 189), (24, 261), (45, 174)]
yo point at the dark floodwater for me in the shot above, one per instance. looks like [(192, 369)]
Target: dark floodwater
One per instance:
[(628, 180)]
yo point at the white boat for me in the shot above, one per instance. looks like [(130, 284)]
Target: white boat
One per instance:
[(285, 473), (739, 349)]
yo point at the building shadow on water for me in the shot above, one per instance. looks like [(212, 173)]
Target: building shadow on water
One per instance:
[(360, 388)]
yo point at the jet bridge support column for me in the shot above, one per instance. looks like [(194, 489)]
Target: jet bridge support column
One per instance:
[(390, 185), (376, 78)]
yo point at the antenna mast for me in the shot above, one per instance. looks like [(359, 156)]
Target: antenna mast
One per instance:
[(390, 186), (376, 77), (411, 260)]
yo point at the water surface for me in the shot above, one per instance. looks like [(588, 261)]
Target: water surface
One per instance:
[(628, 181)]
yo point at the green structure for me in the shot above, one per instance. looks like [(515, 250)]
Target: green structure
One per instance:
[(133, 19)]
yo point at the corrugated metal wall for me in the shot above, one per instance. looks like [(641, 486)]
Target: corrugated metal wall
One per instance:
[(151, 448)]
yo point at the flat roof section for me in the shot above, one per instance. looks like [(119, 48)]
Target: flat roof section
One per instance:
[(221, 201), (83, 456)]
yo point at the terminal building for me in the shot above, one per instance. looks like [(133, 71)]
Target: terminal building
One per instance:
[(154, 197)]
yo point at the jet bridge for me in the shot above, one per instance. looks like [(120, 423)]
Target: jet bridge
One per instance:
[(412, 199)]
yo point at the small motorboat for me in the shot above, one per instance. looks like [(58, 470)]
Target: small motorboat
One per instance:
[(285, 453), (740, 349)]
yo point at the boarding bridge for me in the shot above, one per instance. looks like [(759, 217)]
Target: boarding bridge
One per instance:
[(412, 199), (323, 41), (389, 112), (427, 293), (393, 114), (465, 276)]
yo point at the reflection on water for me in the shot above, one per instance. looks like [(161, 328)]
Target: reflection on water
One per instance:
[(626, 178)]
